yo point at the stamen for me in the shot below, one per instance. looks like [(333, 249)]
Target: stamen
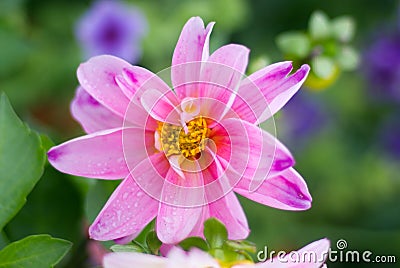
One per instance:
[(188, 141)]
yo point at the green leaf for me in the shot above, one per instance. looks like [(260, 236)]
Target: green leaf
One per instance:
[(348, 59), (22, 160), (194, 242), (34, 251), (343, 28), (47, 143), (54, 206), (215, 233), (319, 26), (152, 242), (323, 66), (127, 248), (227, 256), (241, 245), (294, 44)]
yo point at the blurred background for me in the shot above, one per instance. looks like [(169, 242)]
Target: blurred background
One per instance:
[(345, 135)]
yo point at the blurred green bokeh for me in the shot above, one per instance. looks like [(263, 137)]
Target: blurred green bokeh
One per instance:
[(355, 186)]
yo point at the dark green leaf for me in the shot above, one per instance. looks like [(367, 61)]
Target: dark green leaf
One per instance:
[(194, 242), (152, 242), (215, 233), (22, 160), (36, 251), (54, 206)]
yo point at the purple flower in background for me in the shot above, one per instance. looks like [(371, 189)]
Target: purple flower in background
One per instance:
[(112, 27), (382, 66), (389, 139), (303, 116)]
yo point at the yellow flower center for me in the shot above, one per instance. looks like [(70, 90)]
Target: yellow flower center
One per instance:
[(189, 141)]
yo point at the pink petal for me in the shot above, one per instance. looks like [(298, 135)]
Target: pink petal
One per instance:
[(286, 191), (125, 239), (133, 259), (101, 154), (91, 114), (192, 46), (216, 182), (229, 211), (150, 174), (162, 107), (250, 151), (135, 80), (97, 76), (233, 56), (192, 42), (219, 79), (265, 92), (126, 213), (176, 222)]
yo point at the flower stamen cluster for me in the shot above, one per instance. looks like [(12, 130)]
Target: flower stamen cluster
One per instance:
[(188, 142)]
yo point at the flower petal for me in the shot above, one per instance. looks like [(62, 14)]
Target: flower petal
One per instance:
[(286, 191), (97, 76), (133, 259), (91, 114), (229, 211), (219, 79), (162, 107), (233, 56), (176, 222), (126, 212), (250, 151), (134, 82), (192, 46), (101, 154), (265, 92)]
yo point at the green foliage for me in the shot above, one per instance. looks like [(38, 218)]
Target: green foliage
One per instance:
[(152, 242), (324, 46), (54, 206), (215, 233), (194, 242), (36, 251), (21, 161), (131, 247), (218, 245)]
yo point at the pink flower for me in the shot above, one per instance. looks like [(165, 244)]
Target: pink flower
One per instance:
[(313, 255), (182, 152)]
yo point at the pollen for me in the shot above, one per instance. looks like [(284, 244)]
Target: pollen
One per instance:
[(188, 141)]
